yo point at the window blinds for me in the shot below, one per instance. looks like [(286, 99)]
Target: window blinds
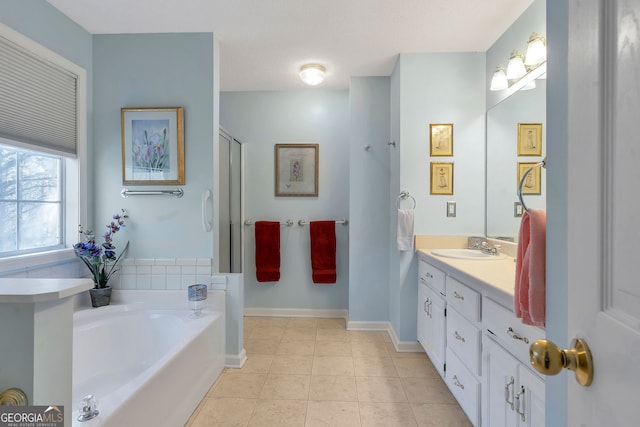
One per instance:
[(38, 104)]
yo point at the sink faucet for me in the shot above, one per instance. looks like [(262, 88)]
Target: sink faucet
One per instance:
[(483, 246)]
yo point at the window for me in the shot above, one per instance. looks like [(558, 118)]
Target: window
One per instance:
[(31, 206)]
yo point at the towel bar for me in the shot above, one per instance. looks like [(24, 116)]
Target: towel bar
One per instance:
[(288, 222), (302, 222)]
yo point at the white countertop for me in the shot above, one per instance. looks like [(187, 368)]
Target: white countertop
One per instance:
[(25, 290), (494, 278)]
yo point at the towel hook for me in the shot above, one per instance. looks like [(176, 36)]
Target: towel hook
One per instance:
[(542, 164), (404, 195)]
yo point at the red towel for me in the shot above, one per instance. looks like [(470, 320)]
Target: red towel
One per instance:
[(267, 251), (530, 285), (323, 251)]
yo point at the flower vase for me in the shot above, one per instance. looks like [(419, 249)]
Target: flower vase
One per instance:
[(100, 296)]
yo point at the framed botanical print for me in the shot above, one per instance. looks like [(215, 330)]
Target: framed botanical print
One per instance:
[(296, 170)]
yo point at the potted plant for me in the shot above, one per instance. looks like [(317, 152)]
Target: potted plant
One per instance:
[(101, 260)]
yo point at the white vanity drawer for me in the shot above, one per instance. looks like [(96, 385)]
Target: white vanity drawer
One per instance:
[(464, 387), (464, 299), (509, 330), (464, 339), (429, 275)]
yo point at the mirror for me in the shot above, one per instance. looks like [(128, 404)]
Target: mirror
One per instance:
[(524, 106)]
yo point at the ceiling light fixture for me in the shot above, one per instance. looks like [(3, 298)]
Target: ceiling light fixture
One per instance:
[(536, 50), (499, 80), (516, 68), (312, 74)]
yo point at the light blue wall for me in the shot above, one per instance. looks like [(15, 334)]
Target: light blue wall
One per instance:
[(155, 70), (435, 88), (261, 120), (370, 114), (515, 37)]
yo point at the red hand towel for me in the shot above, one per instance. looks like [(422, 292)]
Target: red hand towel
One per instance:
[(323, 251), (267, 251), (530, 287)]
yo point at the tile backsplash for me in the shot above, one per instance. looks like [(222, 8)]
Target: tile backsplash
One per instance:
[(162, 273)]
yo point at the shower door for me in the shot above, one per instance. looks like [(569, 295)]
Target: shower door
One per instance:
[(230, 176)]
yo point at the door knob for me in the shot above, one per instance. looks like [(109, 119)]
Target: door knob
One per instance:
[(548, 359)]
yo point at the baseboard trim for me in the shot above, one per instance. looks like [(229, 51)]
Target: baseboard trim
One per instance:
[(400, 346), (236, 360), (295, 312)]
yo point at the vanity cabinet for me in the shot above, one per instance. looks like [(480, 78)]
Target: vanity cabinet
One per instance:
[(431, 314)]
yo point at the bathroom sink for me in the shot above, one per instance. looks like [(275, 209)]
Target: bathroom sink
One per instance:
[(465, 254)]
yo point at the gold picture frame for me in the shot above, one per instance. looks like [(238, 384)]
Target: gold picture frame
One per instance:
[(296, 170), (441, 140), (532, 184), (529, 139), (152, 146), (441, 178)]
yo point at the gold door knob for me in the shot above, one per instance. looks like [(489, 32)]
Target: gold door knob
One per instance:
[(548, 359)]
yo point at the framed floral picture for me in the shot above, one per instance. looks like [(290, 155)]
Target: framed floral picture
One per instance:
[(441, 140), (441, 178), (296, 170), (152, 146)]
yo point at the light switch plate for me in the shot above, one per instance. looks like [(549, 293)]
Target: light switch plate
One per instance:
[(517, 209), (451, 209)]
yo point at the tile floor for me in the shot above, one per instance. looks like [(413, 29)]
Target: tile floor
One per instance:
[(313, 372)]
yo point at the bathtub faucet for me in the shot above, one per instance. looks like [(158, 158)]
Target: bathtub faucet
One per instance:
[(88, 408)]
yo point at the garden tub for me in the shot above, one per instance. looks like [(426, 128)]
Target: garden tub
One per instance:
[(145, 358)]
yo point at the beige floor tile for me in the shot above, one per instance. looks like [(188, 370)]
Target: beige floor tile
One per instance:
[(333, 348), (264, 347), (300, 365), (369, 349), (374, 367), (299, 334), (256, 364), (302, 323), (386, 415), (332, 365), (367, 336), (296, 348), (404, 354), (279, 322), (380, 389), (334, 414), (414, 368), (289, 387), (235, 384), (332, 334), (224, 411), (280, 413), (266, 333), (335, 323), (439, 415), (333, 387), (427, 390)]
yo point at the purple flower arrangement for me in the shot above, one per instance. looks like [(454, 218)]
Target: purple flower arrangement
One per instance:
[(101, 259)]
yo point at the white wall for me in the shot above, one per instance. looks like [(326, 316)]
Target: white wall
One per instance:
[(260, 120), (369, 104), (435, 88)]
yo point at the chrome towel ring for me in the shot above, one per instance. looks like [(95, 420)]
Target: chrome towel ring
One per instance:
[(404, 195)]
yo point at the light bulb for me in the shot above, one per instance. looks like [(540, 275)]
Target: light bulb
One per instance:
[(516, 68), (499, 79), (536, 50), (312, 74)]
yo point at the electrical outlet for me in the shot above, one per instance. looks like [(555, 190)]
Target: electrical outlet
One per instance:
[(517, 209), (451, 209)]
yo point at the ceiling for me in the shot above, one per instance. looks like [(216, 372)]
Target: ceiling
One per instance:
[(263, 43)]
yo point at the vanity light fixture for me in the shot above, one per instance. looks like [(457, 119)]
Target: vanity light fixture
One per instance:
[(516, 68), (312, 74), (536, 50), (499, 80)]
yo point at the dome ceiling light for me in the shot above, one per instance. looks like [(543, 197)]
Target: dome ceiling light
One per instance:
[(312, 74)]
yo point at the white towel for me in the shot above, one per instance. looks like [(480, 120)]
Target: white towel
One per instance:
[(405, 229)]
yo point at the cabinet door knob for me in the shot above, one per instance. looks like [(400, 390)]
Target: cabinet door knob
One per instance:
[(458, 296), (457, 383), (520, 403), (458, 336), (515, 336), (508, 392), (548, 359)]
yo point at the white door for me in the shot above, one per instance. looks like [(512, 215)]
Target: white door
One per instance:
[(603, 221)]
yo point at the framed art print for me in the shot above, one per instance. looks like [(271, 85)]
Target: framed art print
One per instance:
[(531, 184), (441, 140), (296, 170), (529, 139), (152, 146), (441, 178)]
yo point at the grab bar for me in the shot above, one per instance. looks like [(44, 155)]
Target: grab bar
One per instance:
[(178, 192), (542, 164), (404, 195), (302, 222)]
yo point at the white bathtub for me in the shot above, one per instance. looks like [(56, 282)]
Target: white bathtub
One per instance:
[(145, 359)]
